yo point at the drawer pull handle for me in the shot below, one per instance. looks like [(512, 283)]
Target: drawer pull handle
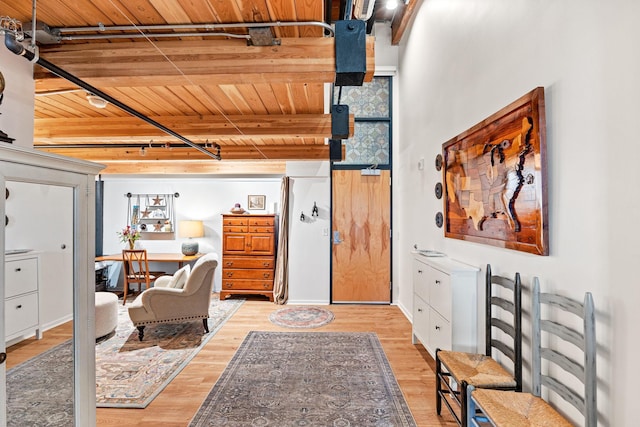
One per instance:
[(437, 328), (419, 310), (420, 271), (266, 264), (229, 274), (18, 269), (437, 282), (19, 306), (229, 263), (228, 285), (265, 275)]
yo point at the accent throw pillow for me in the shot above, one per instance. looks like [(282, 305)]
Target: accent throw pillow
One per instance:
[(180, 277)]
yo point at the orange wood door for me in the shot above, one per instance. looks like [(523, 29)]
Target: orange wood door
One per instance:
[(361, 254)]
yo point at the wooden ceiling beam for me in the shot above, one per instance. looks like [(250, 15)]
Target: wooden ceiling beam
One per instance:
[(194, 62), (132, 129), (230, 152), (203, 167)]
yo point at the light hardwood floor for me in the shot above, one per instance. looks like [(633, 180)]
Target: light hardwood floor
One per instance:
[(180, 400)]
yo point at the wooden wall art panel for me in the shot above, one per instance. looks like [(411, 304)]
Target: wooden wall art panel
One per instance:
[(495, 179)]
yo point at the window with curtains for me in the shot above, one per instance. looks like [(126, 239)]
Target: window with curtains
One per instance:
[(371, 106)]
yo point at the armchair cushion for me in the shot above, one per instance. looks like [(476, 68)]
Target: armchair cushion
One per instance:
[(180, 277), (177, 281)]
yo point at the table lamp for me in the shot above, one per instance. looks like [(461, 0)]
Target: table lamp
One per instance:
[(190, 229)]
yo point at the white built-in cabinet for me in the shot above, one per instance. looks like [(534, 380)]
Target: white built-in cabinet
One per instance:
[(21, 301), (444, 304)]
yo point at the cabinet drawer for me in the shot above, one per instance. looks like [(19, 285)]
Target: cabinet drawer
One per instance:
[(440, 292), (246, 262), (264, 221), (247, 274), (420, 279), (235, 221), (420, 320), (439, 332), (246, 284), (235, 228), (260, 229), (21, 313), (21, 276)]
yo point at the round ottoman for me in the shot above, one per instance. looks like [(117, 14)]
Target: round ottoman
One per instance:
[(106, 313)]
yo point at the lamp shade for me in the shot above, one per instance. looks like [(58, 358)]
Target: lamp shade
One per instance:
[(191, 228)]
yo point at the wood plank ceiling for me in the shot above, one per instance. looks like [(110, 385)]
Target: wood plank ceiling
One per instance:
[(259, 103)]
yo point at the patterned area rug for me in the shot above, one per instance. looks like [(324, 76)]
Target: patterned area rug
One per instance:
[(306, 379), (129, 373), (301, 317)]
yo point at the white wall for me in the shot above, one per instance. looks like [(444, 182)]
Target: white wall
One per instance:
[(463, 61), (309, 240), (16, 118)]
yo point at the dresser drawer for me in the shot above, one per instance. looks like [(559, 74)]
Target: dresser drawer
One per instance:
[(440, 292), (246, 284), (235, 228), (235, 221), (247, 274), (21, 276), (248, 262), (260, 229), (439, 332), (21, 313), (262, 221)]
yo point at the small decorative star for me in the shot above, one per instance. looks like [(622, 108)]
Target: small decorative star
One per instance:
[(157, 227), (145, 213), (157, 201)]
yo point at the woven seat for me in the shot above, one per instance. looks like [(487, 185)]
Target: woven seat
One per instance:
[(456, 371), (518, 409), (475, 369), (563, 372)]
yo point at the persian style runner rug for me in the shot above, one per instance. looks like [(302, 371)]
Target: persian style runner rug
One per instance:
[(129, 373), (301, 317), (306, 378)]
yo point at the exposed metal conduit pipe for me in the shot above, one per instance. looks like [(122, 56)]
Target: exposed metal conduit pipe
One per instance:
[(145, 35), (102, 28), (14, 46)]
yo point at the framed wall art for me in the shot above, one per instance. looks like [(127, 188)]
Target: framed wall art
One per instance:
[(494, 176), (256, 202)]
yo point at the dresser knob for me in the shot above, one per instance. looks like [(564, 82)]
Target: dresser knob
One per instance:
[(437, 328), (18, 269), (420, 271), (266, 264), (19, 306), (419, 310), (437, 282), (229, 274), (265, 275), (229, 263)]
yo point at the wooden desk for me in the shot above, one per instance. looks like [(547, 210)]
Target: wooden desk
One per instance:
[(156, 257)]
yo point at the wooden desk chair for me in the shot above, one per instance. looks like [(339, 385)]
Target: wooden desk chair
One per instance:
[(136, 270), (456, 371), (569, 355)]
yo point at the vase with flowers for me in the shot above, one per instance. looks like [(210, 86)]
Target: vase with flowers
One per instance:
[(129, 235)]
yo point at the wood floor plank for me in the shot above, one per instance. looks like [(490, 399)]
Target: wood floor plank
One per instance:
[(181, 399)]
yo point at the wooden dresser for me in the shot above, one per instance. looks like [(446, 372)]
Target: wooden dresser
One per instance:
[(248, 255)]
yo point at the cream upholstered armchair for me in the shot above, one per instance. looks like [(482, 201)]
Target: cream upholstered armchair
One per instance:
[(169, 302)]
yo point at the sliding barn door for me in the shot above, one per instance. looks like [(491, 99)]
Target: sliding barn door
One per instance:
[(361, 254)]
